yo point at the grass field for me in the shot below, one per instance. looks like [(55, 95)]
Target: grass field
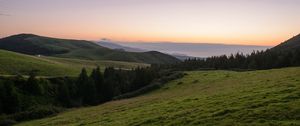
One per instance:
[(12, 63), (267, 97)]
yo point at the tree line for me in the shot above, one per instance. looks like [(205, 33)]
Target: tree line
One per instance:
[(257, 60), (23, 98)]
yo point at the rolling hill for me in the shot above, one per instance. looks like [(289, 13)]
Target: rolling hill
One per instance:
[(15, 63), (266, 97), (79, 49)]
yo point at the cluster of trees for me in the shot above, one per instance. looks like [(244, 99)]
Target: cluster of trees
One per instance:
[(98, 88), (256, 60), (22, 96), (9, 98), (15, 93)]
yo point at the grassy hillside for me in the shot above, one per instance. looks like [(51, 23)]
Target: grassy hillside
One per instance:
[(80, 49), (267, 97), (12, 63)]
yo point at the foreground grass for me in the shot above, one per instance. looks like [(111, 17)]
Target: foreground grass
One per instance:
[(12, 63), (268, 97)]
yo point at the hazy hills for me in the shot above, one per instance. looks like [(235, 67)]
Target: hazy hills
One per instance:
[(194, 49), (80, 49), (181, 50), (116, 46), (112, 45)]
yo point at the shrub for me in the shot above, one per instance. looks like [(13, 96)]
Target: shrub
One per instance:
[(139, 91), (7, 122), (36, 112), (154, 85)]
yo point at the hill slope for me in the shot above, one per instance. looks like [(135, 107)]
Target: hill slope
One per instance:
[(15, 63), (81, 49), (291, 44), (268, 97)]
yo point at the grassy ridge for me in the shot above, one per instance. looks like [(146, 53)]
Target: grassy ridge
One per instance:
[(15, 63), (268, 97)]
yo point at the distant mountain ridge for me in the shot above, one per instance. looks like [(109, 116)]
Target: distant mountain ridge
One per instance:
[(116, 46), (81, 49), (194, 49)]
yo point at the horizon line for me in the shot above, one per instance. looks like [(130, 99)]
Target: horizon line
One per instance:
[(142, 41)]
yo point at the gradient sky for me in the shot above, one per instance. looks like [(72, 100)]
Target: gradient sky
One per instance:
[(250, 22)]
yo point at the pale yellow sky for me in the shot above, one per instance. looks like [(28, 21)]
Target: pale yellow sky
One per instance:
[(248, 22)]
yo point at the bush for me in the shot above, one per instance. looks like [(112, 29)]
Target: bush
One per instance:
[(172, 76), (139, 91), (36, 112), (7, 122), (154, 85)]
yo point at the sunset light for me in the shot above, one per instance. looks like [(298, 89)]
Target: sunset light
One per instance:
[(255, 22)]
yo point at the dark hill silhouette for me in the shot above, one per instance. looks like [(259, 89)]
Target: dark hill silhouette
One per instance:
[(290, 44)]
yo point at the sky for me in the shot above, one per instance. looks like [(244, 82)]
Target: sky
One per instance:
[(246, 22)]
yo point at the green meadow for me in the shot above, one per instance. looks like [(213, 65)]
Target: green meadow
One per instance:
[(15, 63), (265, 97)]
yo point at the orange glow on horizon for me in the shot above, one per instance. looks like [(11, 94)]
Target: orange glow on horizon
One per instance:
[(242, 40)]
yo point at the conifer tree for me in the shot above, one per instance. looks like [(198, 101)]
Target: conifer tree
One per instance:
[(108, 90), (11, 100), (2, 91), (64, 95), (87, 91), (97, 78), (32, 85)]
